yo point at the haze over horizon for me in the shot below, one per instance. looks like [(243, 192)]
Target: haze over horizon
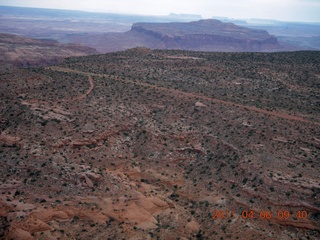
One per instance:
[(286, 10)]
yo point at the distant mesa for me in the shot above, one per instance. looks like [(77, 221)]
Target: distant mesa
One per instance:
[(207, 35), (110, 32), (203, 35), (185, 16)]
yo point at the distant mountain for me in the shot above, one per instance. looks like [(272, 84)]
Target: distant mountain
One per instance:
[(203, 35), (293, 35), (55, 24), (24, 52), (109, 32), (211, 35), (190, 17)]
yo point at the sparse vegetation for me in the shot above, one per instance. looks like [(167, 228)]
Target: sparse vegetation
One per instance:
[(149, 144)]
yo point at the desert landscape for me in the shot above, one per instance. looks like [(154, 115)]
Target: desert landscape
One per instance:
[(21, 51), (110, 32), (162, 144), (159, 121)]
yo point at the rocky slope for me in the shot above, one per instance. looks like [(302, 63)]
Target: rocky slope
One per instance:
[(23, 52), (150, 144)]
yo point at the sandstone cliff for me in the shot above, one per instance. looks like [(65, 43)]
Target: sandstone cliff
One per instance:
[(207, 35)]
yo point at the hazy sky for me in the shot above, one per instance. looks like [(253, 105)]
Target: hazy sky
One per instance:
[(291, 10)]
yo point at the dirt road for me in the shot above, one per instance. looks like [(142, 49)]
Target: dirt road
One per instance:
[(74, 71), (179, 92)]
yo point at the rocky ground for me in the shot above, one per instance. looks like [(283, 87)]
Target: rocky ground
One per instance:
[(148, 144), (22, 51)]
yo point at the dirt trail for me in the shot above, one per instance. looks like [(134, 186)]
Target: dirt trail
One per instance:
[(179, 92), (87, 92), (75, 71)]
